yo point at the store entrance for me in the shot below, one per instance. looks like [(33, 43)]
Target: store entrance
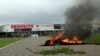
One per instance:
[(22, 32)]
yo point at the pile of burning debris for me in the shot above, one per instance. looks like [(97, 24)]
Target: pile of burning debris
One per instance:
[(59, 39), (78, 24)]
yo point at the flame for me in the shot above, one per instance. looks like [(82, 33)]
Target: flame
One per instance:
[(73, 40), (52, 39)]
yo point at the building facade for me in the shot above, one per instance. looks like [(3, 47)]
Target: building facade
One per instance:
[(26, 30)]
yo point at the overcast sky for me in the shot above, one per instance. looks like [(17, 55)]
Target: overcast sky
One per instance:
[(33, 11)]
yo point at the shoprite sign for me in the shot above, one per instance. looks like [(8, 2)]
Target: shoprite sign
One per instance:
[(16, 26)]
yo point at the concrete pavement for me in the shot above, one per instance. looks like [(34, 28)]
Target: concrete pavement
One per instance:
[(26, 47)]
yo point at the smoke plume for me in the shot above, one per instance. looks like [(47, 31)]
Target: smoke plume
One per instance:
[(80, 17)]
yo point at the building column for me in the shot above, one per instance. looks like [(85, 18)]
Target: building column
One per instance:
[(50, 32), (40, 33), (7, 34)]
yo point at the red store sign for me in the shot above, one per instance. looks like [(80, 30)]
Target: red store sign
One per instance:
[(21, 26)]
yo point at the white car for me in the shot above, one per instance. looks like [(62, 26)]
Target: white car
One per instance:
[(34, 35)]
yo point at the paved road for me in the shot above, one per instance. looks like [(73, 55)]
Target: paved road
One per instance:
[(22, 48)]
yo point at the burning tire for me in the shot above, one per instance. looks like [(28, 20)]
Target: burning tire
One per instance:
[(47, 43)]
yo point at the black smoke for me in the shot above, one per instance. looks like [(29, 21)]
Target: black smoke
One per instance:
[(79, 20)]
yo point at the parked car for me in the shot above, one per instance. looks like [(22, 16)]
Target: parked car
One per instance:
[(34, 35)]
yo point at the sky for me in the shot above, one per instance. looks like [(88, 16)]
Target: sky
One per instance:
[(33, 11)]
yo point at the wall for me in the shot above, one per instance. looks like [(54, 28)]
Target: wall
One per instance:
[(7, 28), (43, 27)]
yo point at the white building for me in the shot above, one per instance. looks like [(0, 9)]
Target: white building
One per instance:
[(25, 30), (19, 30)]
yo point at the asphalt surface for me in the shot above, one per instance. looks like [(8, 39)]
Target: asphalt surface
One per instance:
[(31, 47)]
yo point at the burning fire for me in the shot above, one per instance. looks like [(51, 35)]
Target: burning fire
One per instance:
[(57, 37), (67, 40), (73, 40)]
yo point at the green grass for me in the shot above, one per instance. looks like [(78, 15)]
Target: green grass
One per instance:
[(65, 50), (7, 41), (94, 39)]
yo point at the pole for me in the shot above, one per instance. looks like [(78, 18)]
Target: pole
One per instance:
[(6, 34), (40, 33)]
